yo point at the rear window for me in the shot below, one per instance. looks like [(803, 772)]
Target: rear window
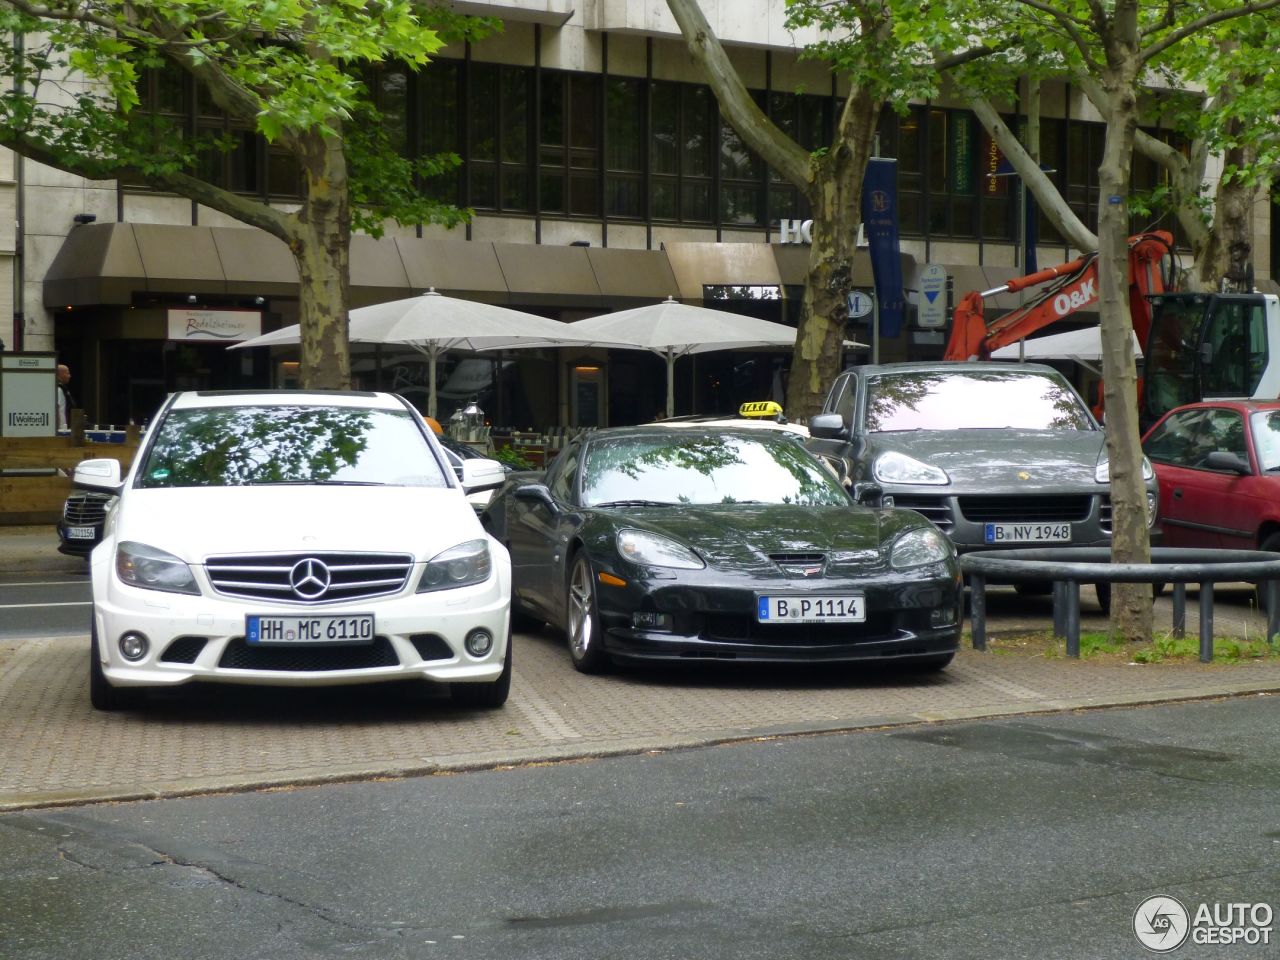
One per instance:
[(973, 400), (258, 445)]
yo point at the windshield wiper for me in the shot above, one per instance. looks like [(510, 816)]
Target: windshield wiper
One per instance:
[(319, 483), (634, 503)]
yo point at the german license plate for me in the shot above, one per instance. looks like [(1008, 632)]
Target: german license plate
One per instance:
[(325, 628), (1027, 532), (81, 533), (827, 608)]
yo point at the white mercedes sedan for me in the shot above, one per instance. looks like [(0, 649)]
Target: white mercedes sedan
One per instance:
[(295, 538)]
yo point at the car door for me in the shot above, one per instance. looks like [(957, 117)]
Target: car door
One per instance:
[(537, 534), (1199, 506)]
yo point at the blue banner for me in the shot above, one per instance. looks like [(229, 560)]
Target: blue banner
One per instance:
[(880, 220)]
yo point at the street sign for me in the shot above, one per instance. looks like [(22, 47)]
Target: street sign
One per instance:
[(860, 305), (933, 296)]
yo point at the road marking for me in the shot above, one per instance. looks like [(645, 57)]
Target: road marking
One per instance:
[(28, 606), (46, 583), (541, 715)]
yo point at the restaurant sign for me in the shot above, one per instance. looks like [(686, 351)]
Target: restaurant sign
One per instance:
[(225, 326)]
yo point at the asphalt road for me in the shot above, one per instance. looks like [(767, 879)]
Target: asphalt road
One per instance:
[(1026, 837), (44, 605)]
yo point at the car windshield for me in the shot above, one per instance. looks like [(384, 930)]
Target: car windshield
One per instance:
[(229, 446), (703, 469), (1266, 439), (973, 400)]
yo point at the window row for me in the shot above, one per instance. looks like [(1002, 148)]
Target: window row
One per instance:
[(566, 144)]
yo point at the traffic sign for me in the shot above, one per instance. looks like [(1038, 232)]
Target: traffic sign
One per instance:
[(933, 296), (860, 304)]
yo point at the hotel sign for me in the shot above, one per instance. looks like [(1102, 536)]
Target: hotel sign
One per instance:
[(226, 326)]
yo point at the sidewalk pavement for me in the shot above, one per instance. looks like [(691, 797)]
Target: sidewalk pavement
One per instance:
[(55, 749)]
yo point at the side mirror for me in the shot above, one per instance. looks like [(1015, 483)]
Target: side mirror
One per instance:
[(478, 475), (103, 474), (536, 493), (1224, 460), (869, 494), (827, 426)]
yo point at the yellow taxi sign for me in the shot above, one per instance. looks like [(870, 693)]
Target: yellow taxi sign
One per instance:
[(760, 408)]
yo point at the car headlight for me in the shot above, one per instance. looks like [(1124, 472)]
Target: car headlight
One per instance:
[(895, 467), (651, 550), (461, 566), (919, 548), (1102, 472), (150, 568)]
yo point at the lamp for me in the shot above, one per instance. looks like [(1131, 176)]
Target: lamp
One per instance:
[(192, 298), (85, 217), (473, 418), (579, 243)]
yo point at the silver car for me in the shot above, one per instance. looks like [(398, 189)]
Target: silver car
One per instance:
[(996, 454)]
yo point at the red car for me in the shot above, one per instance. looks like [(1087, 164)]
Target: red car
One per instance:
[(1218, 463)]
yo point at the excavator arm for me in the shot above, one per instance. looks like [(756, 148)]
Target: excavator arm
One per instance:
[(1074, 288)]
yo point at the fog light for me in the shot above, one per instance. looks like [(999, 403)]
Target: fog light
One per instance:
[(479, 642), (133, 646), (942, 616), (646, 620), (1152, 502), (886, 501)]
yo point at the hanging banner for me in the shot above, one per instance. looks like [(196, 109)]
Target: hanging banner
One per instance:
[(880, 217)]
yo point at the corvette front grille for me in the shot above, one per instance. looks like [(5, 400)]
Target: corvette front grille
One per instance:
[(351, 576)]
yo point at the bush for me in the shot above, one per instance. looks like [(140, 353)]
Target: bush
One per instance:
[(513, 458)]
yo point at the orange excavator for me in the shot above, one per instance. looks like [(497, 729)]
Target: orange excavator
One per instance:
[(1075, 288)]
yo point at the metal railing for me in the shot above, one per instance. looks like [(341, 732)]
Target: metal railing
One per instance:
[(1067, 567)]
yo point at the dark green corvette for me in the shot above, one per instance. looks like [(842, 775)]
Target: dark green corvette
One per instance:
[(652, 543)]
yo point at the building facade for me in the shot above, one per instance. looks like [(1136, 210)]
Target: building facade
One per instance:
[(602, 177)]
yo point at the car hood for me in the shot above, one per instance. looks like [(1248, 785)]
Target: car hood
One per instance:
[(983, 458), (194, 523), (743, 536)]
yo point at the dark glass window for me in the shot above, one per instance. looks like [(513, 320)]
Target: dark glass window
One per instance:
[(682, 134), (624, 147), (438, 124), (499, 105), (569, 145)]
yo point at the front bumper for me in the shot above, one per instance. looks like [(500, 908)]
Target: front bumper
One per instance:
[(202, 638), (907, 619)]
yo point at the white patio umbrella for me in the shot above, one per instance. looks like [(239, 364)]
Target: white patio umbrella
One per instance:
[(674, 330), (1083, 346), (434, 324)]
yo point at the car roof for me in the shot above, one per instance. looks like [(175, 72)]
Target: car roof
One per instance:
[(688, 431), (292, 398), (944, 366), (1236, 403)]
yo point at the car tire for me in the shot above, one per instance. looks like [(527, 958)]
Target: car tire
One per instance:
[(1033, 588), (582, 619), (1271, 544), (102, 694), (490, 695)]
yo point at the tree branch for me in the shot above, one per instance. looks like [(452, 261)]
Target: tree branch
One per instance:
[(776, 148), (1209, 19), (1071, 25), (1048, 195)]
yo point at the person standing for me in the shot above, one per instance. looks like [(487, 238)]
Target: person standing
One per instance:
[(66, 402)]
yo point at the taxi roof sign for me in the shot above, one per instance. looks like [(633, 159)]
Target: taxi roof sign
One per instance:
[(760, 408)]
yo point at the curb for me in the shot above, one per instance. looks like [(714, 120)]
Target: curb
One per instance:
[(569, 752)]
